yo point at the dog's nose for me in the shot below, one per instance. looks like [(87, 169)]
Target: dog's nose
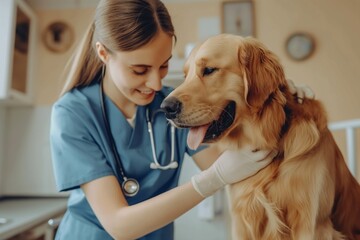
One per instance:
[(171, 106)]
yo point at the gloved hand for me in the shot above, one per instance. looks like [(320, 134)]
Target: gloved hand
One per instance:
[(300, 92), (231, 167)]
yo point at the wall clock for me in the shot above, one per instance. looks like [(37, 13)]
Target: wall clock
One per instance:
[(300, 46)]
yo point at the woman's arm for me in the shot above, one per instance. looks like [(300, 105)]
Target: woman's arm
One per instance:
[(131, 222)]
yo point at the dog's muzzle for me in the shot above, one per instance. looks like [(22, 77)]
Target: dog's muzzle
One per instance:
[(172, 108)]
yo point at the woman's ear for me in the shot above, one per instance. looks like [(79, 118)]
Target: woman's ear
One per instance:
[(102, 52)]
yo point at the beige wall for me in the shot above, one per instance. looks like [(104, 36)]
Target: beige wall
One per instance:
[(185, 18), (49, 65), (333, 72)]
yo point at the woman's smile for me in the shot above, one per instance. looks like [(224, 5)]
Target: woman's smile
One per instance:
[(149, 93)]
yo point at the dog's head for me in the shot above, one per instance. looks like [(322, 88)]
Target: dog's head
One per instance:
[(231, 86)]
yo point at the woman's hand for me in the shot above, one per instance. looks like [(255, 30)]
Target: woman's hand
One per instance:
[(231, 167), (300, 92)]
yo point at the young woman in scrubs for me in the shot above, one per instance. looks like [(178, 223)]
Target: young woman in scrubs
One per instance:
[(122, 60)]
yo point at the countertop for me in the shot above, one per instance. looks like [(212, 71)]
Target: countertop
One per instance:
[(24, 213)]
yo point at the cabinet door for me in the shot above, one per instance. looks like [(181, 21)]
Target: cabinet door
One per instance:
[(18, 23), (7, 16)]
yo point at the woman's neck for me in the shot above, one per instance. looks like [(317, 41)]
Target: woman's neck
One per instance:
[(127, 107)]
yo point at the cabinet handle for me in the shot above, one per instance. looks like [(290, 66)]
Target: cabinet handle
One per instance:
[(54, 222)]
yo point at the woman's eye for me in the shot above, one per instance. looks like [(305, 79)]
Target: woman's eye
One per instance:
[(208, 70), (140, 72)]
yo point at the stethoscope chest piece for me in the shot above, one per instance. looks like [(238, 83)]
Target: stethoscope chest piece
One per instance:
[(130, 187)]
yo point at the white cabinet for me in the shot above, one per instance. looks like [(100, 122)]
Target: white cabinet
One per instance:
[(17, 41), (2, 146)]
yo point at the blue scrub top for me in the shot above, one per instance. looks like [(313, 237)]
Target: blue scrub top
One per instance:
[(82, 152)]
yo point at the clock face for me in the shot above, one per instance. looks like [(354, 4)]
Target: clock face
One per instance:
[(300, 46)]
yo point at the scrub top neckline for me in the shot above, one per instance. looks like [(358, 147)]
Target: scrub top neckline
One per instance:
[(131, 120), (119, 125)]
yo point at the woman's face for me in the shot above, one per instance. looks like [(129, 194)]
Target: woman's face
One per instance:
[(137, 74)]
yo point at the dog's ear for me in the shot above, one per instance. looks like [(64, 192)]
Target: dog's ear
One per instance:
[(262, 72), (264, 82)]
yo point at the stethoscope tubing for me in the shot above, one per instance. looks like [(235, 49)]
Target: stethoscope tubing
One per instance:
[(155, 164), (131, 186), (110, 137)]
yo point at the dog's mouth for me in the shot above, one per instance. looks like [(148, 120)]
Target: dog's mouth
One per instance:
[(210, 132)]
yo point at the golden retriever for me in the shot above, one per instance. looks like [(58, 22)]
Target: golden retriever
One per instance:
[(235, 93)]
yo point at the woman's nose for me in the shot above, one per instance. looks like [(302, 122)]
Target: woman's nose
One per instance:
[(154, 82)]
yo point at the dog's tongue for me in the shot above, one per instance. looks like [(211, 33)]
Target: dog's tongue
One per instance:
[(196, 136)]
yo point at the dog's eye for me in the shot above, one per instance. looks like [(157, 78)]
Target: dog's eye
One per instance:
[(208, 71)]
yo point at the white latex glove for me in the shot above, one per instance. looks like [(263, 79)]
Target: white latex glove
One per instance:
[(300, 92), (231, 167)]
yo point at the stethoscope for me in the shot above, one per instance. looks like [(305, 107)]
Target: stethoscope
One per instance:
[(131, 186), (155, 164)]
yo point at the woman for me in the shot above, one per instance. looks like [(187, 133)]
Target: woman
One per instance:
[(100, 139)]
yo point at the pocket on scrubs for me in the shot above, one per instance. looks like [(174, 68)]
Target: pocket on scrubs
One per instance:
[(72, 228)]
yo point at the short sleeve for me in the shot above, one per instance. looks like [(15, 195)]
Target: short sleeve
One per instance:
[(199, 149), (76, 156)]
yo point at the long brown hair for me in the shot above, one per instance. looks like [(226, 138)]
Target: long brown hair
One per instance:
[(120, 25)]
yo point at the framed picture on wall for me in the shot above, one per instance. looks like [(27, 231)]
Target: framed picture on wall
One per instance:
[(238, 17)]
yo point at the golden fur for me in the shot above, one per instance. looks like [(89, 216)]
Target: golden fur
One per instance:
[(307, 192)]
